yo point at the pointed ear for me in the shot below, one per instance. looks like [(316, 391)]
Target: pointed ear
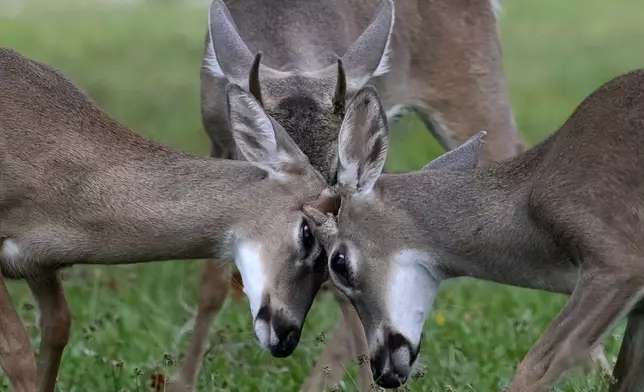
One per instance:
[(226, 55), (466, 156), (369, 55), (260, 139), (362, 142)]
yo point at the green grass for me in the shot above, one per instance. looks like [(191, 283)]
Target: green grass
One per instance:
[(140, 61)]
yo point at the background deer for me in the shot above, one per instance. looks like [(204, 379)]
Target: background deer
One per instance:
[(566, 216), (77, 187), (439, 59)]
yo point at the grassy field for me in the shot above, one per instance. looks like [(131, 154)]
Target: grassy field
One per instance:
[(140, 61)]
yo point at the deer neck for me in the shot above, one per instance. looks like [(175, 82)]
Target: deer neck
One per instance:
[(153, 207), (478, 224), (181, 208)]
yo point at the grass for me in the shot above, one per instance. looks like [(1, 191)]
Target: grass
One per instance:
[(140, 61)]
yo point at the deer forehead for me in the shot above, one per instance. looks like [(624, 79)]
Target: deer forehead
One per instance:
[(364, 217), (280, 91)]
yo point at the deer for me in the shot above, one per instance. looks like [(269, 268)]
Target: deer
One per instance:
[(438, 59), (77, 187), (566, 216)]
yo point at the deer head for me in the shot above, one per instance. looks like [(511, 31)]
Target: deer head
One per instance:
[(310, 104), (282, 265), (375, 257)]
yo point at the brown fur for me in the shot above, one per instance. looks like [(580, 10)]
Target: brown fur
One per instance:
[(566, 216), (445, 65), (77, 187)]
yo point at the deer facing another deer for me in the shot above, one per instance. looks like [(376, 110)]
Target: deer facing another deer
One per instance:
[(440, 59), (566, 216), (77, 187)]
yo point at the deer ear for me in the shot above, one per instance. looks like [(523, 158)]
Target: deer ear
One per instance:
[(362, 142), (226, 54), (260, 139), (369, 55), (466, 156)]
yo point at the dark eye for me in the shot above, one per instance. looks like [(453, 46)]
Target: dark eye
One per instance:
[(339, 267), (307, 238)]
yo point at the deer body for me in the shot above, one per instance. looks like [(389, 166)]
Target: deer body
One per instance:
[(77, 187), (440, 59), (566, 216)]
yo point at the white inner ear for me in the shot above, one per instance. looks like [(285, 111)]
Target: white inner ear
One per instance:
[(413, 286), (249, 119), (212, 63), (372, 170), (348, 170), (249, 262), (384, 64)]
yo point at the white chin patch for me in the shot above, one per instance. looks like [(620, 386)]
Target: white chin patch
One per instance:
[(263, 333), (412, 290), (249, 263)]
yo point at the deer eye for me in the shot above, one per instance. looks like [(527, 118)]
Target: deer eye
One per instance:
[(340, 268), (307, 238)]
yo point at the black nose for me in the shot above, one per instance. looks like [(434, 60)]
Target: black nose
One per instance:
[(392, 362), (389, 380), (285, 334), (286, 344)]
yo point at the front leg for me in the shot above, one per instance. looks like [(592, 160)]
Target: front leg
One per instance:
[(348, 343), (55, 323), (212, 296), (630, 362), (16, 354), (360, 345), (598, 302)]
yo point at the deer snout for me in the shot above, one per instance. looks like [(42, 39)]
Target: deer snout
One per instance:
[(392, 361), (276, 332)]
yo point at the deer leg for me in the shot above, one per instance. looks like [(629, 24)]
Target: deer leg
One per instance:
[(395, 113), (55, 323), (328, 369), (360, 347), (630, 362), (598, 358), (348, 343), (214, 289), (459, 87), (596, 304), (16, 354)]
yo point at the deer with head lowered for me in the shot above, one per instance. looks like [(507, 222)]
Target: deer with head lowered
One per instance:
[(77, 187), (566, 216), (440, 59)]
